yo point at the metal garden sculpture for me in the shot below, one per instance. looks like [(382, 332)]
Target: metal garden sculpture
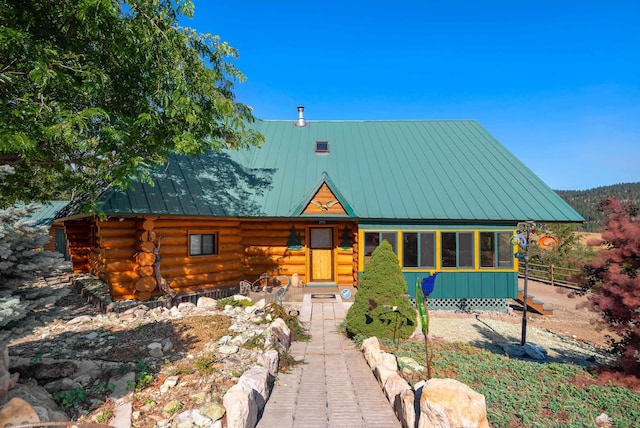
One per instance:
[(424, 288), (522, 239)]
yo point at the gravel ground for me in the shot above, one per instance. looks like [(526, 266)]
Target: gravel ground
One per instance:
[(490, 332)]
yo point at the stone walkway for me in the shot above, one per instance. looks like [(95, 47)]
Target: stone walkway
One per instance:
[(335, 387)]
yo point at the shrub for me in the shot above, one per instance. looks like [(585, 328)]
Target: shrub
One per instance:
[(381, 308), (21, 260), (615, 282)]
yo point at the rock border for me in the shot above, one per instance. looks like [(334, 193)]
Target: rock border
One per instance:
[(434, 402)]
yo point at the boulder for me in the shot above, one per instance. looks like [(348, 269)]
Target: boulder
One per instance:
[(260, 380), (213, 411), (383, 373), (270, 359), (281, 334), (376, 358), (40, 400), (241, 406), (17, 412), (155, 349), (405, 408), (529, 349), (207, 303), (122, 412), (393, 387), (448, 403)]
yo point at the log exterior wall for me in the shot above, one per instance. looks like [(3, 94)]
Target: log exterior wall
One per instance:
[(122, 252)]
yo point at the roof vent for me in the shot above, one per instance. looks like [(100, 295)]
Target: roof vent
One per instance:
[(322, 147), (301, 122)]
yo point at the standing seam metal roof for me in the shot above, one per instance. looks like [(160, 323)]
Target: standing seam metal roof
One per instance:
[(449, 170)]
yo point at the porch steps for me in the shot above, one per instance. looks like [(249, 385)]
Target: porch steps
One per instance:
[(535, 305), (322, 285)]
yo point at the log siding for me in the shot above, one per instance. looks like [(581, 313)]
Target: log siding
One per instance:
[(120, 251)]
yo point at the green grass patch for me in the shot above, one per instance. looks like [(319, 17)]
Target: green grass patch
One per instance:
[(525, 393)]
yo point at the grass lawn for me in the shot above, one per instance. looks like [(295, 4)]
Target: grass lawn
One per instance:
[(527, 393)]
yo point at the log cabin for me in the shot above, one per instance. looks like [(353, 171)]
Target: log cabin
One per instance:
[(315, 200), (45, 215)]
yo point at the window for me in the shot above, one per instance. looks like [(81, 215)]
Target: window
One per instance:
[(373, 239), (419, 249), (201, 244), (457, 249), (322, 147), (496, 250)]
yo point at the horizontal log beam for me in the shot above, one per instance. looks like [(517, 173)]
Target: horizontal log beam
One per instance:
[(117, 223), (212, 278), (185, 270), (196, 223)]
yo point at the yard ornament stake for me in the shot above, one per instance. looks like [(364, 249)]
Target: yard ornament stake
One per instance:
[(522, 239), (423, 289)]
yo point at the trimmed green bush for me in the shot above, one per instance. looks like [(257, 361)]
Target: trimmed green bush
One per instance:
[(381, 308)]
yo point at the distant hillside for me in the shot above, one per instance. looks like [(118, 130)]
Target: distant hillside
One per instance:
[(586, 201)]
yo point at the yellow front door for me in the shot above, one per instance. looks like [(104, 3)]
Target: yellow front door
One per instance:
[(321, 253)]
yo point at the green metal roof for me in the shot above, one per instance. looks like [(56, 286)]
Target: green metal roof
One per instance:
[(45, 213), (449, 170)]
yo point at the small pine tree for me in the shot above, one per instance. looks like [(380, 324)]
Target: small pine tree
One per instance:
[(382, 288), (613, 278), (21, 260)]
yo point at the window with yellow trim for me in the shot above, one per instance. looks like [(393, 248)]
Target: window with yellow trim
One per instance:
[(496, 250), (373, 239), (419, 249), (457, 249)]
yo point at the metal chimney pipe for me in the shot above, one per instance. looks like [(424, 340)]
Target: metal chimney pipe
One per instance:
[(301, 122)]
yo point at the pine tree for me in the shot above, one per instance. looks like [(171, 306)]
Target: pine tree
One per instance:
[(381, 307), (21, 260), (613, 279)]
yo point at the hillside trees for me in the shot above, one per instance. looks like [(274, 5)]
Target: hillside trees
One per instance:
[(103, 90), (586, 202), (381, 308), (615, 282)]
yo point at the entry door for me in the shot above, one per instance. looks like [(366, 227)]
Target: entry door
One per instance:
[(321, 247)]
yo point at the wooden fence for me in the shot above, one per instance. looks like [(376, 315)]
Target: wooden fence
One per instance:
[(551, 274)]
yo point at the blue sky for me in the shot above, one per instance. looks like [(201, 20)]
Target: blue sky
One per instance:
[(556, 82)]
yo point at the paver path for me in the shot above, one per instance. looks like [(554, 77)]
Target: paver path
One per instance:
[(335, 388)]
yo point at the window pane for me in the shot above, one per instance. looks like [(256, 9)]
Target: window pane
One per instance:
[(487, 249), (505, 250), (427, 249), (321, 238), (392, 238), (195, 245), (465, 250), (371, 242), (448, 249), (208, 244), (410, 249)]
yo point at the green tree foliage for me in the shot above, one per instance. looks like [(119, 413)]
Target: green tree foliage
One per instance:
[(21, 259), (586, 202), (613, 278), (102, 90), (382, 288), (569, 252)]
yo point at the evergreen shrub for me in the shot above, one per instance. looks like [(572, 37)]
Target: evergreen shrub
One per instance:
[(382, 288)]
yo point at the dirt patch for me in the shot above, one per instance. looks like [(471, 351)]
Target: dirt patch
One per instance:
[(571, 318)]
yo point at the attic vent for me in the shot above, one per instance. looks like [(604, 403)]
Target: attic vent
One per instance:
[(322, 147)]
